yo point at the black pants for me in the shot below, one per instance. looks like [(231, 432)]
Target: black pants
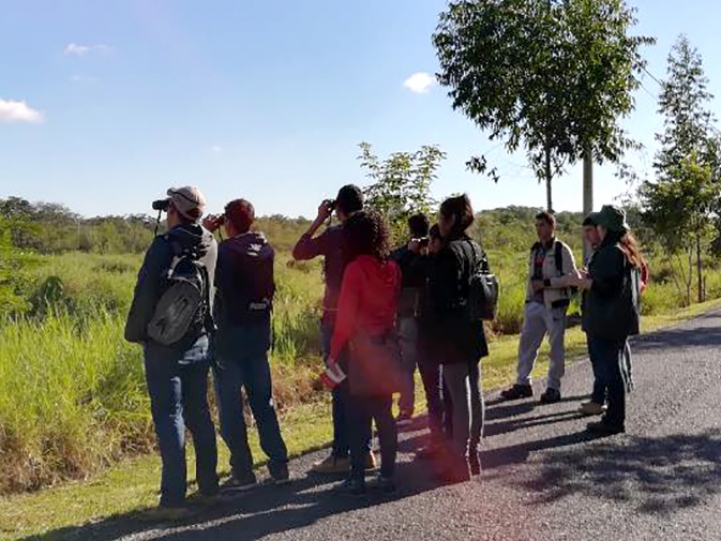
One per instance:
[(438, 400), (363, 411)]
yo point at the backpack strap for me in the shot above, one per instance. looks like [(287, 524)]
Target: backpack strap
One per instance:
[(558, 247), (209, 321)]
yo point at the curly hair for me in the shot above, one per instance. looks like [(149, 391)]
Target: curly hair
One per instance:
[(366, 233)]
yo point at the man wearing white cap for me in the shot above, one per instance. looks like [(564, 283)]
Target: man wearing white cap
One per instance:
[(170, 318)]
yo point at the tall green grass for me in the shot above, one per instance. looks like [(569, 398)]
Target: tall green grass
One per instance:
[(72, 391), (72, 399)]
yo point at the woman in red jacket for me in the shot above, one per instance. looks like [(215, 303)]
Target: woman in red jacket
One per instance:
[(365, 325)]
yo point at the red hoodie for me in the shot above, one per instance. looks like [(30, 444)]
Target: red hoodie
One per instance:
[(368, 300)]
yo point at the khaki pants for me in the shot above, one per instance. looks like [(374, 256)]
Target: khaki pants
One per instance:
[(538, 322)]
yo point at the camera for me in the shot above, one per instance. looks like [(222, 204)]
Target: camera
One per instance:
[(218, 221), (422, 242), (331, 203), (161, 205), (213, 222)]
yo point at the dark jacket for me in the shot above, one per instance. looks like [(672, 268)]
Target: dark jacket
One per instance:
[(451, 336), (244, 280), (328, 244), (413, 284), (149, 287), (611, 308)]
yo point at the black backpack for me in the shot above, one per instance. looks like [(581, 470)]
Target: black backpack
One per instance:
[(184, 307), (483, 288)]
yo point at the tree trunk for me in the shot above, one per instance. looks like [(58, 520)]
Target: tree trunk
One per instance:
[(587, 194), (689, 277), (699, 271), (549, 178)]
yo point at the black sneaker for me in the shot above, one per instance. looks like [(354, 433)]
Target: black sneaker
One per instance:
[(279, 474), (353, 487), (243, 481), (454, 472), (551, 396), (603, 428), (517, 391), (385, 485), (404, 417), (429, 452)]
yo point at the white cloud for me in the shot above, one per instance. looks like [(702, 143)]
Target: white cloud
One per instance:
[(420, 83), (73, 49), (18, 111), (217, 149)]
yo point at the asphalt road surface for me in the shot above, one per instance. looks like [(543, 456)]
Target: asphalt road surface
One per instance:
[(543, 478)]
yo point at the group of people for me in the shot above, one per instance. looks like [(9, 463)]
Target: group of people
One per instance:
[(201, 307), (611, 281)]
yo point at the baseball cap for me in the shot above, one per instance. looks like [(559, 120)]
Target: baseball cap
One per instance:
[(611, 217), (188, 200)]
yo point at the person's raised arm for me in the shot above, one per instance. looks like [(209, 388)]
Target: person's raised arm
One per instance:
[(310, 246)]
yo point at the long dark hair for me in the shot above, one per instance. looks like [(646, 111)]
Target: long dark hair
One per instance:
[(460, 207), (632, 250), (366, 233), (628, 244)]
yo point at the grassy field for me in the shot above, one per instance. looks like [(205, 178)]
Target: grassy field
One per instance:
[(72, 391)]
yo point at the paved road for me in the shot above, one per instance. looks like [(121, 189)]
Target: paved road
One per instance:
[(543, 478)]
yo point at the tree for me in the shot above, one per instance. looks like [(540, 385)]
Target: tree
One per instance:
[(684, 101), (401, 183), (682, 205), (680, 208), (551, 75)]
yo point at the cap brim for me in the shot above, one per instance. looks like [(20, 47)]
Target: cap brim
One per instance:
[(593, 217)]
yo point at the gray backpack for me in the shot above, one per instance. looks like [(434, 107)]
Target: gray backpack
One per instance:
[(184, 307)]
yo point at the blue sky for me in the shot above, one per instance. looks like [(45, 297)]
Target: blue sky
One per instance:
[(105, 104)]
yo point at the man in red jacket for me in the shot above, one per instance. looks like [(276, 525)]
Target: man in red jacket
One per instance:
[(330, 245)]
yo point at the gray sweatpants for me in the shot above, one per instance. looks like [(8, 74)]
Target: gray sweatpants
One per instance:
[(538, 322)]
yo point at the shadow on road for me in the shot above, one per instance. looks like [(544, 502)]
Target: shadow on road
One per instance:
[(652, 475), (703, 336), (262, 511)]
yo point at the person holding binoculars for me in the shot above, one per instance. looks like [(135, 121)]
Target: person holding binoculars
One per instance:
[(245, 285), (170, 318), (331, 245)]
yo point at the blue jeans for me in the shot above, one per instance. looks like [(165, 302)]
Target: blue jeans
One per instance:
[(598, 396), (241, 361), (341, 403), (178, 388), (608, 357)]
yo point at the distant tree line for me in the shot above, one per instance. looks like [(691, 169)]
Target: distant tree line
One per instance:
[(49, 228)]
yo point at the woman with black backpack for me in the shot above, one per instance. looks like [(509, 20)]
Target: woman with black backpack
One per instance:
[(455, 338), (611, 312)]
